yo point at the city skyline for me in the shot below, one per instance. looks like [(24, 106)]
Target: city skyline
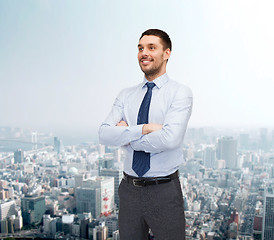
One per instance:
[(54, 192), (62, 65)]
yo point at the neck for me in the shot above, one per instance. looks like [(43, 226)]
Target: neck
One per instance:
[(152, 77)]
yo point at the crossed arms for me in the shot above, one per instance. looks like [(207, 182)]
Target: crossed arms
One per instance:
[(146, 129), (151, 137)]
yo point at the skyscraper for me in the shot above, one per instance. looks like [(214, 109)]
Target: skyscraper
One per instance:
[(19, 156), (33, 209), (244, 141), (96, 196), (7, 208), (210, 157), (57, 144), (118, 175), (86, 201), (268, 215), (227, 150)]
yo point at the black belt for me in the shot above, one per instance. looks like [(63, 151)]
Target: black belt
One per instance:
[(142, 182)]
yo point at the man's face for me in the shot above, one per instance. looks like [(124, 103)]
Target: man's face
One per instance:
[(151, 56)]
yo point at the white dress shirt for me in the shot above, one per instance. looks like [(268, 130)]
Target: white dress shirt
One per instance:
[(171, 106)]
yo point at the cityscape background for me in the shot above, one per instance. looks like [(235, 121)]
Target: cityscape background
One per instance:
[(55, 191), (62, 64)]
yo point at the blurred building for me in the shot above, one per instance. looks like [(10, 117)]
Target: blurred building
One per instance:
[(10, 217), (99, 231), (227, 150), (7, 209), (233, 230), (106, 161), (49, 225), (112, 224), (19, 156), (257, 226), (96, 196), (244, 141), (115, 235), (85, 219), (268, 214), (263, 142), (33, 209), (67, 221), (210, 157), (117, 175), (57, 145)]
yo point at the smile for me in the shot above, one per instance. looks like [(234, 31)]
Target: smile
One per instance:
[(145, 61)]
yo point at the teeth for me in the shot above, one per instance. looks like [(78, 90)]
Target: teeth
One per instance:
[(146, 61)]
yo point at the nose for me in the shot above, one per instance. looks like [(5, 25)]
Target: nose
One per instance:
[(145, 51)]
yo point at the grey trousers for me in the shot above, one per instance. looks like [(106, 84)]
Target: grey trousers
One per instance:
[(157, 207)]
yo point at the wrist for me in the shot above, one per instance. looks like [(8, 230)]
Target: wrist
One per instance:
[(145, 129)]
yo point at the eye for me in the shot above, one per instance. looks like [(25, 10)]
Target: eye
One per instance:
[(141, 49), (152, 48)]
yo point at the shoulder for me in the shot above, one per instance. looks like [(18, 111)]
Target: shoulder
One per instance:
[(179, 88), (124, 93)]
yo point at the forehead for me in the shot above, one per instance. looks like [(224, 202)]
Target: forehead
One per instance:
[(150, 39)]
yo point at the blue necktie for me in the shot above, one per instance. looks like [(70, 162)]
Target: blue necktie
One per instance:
[(141, 160)]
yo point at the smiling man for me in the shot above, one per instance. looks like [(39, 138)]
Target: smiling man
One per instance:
[(149, 120)]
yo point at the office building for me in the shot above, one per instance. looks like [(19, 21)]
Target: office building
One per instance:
[(117, 175), (244, 141), (79, 178), (86, 200), (96, 196), (19, 156), (268, 214), (4, 227), (67, 221), (115, 235), (106, 162), (57, 145), (99, 232), (210, 157), (227, 150), (112, 224), (33, 209), (7, 209)]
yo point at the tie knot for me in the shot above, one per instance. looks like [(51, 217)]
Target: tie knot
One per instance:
[(150, 85)]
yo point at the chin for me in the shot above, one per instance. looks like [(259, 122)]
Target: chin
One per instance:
[(146, 69)]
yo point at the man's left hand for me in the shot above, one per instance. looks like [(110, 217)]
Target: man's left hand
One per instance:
[(122, 123)]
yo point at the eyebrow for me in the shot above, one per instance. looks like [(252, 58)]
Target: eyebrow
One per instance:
[(150, 44)]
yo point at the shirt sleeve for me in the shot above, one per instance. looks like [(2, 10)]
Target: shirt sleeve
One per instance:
[(112, 135), (172, 134)]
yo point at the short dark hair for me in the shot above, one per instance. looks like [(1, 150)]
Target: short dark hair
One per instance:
[(161, 34)]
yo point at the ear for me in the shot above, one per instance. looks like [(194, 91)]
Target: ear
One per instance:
[(167, 54)]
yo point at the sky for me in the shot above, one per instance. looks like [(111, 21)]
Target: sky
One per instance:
[(62, 63)]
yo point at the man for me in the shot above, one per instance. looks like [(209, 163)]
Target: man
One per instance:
[(149, 120)]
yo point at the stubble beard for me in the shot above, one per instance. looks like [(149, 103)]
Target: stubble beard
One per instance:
[(152, 72)]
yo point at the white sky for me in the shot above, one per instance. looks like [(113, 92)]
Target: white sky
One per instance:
[(62, 63)]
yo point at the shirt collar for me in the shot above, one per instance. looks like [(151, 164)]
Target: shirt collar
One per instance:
[(159, 81)]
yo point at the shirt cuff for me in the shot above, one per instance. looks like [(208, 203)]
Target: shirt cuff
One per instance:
[(136, 132)]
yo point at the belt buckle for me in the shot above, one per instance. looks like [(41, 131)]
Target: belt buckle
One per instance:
[(135, 181)]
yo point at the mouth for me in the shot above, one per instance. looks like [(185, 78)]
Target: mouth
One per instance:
[(146, 61)]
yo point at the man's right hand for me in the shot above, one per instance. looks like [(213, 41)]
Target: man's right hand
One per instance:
[(151, 127)]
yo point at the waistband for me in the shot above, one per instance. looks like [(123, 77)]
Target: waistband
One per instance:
[(143, 181)]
